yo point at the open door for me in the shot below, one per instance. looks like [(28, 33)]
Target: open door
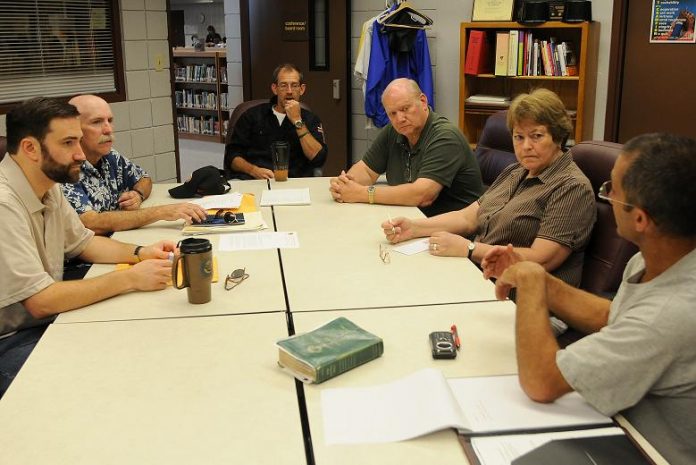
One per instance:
[(314, 36)]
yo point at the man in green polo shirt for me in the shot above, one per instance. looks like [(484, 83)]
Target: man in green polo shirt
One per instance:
[(427, 160)]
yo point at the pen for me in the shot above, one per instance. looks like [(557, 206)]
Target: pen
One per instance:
[(389, 218), (457, 342)]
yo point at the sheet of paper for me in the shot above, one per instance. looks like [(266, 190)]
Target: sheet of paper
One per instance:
[(413, 247), (258, 241), (285, 197), (403, 409), (497, 403), (229, 200), (502, 450)]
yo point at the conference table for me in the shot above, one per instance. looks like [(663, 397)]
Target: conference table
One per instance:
[(148, 378)]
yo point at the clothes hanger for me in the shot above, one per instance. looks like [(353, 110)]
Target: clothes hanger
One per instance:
[(415, 15)]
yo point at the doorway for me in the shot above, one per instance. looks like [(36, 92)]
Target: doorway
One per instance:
[(313, 35)]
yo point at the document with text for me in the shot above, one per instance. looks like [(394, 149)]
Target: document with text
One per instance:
[(285, 197), (413, 247), (425, 402), (258, 241), (211, 202), (502, 450)]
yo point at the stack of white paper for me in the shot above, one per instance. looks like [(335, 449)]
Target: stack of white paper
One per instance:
[(211, 202), (425, 401), (258, 241), (285, 197)]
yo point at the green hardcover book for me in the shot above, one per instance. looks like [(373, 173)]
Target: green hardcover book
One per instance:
[(328, 351)]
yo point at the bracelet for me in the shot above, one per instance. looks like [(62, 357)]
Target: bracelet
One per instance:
[(303, 134), (136, 252), (142, 196)]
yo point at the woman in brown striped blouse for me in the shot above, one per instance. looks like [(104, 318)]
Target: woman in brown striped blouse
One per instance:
[(543, 205)]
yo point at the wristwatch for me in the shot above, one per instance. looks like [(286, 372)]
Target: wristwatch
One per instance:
[(371, 194), (299, 124), (136, 252), (472, 246)]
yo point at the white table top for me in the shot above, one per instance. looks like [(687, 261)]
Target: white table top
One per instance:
[(176, 391), (261, 292), (487, 334), (338, 266)]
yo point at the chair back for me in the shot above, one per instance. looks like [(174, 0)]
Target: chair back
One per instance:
[(494, 151), (237, 112), (607, 253)]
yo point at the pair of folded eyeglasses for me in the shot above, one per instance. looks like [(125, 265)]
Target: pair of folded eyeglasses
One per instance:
[(235, 278), (224, 217)]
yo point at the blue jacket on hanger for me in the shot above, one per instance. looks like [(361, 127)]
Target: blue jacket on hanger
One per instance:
[(387, 65)]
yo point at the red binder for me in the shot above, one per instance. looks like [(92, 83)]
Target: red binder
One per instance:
[(476, 53)]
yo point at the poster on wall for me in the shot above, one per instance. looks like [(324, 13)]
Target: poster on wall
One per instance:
[(673, 21)]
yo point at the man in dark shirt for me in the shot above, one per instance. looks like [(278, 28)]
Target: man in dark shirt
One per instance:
[(427, 160), (248, 152)]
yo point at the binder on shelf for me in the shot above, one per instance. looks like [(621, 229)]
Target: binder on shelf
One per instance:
[(512, 52), (502, 44), (476, 53), (571, 61), (520, 54)]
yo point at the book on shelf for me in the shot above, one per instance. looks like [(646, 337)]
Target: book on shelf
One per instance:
[(205, 125), (502, 45), (477, 53), (425, 402), (570, 59), (333, 348), (520, 53), (603, 445), (488, 100), (512, 52)]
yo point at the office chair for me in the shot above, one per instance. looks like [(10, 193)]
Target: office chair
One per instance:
[(607, 253), (494, 151)]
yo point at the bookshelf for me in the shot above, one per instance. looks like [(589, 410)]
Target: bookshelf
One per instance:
[(571, 89), (200, 94)]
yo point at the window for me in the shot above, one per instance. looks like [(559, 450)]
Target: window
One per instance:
[(57, 48), (319, 38)]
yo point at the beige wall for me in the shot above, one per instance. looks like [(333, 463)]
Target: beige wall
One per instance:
[(144, 122)]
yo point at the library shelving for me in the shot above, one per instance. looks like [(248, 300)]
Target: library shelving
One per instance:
[(200, 94), (498, 89)]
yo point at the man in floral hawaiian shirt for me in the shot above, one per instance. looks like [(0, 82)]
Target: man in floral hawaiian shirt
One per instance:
[(111, 189)]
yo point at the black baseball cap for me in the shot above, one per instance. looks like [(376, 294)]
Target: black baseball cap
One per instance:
[(204, 181)]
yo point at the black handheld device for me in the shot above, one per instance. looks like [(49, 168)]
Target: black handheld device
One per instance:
[(442, 344)]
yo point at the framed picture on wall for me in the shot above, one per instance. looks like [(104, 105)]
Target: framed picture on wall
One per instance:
[(492, 10)]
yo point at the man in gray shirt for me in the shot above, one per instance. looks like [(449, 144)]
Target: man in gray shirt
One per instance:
[(639, 357)]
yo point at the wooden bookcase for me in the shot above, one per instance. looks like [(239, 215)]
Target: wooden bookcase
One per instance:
[(571, 89), (200, 94)]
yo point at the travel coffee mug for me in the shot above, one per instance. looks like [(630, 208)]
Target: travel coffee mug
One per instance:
[(196, 260), (280, 151)]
